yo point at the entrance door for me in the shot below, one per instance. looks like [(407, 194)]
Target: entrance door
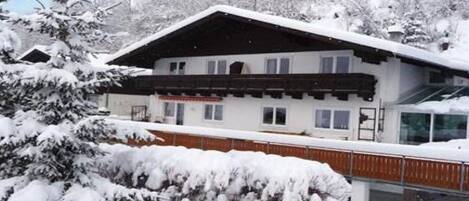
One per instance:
[(367, 124), (180, 114)]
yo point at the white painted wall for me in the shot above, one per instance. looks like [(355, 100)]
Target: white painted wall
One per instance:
[(410, 78), (246, 114), (360, 190), (301, 62), (394, 79), (121, 104)]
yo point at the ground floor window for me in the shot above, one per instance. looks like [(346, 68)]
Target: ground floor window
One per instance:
[(332, 119), (169, 109), (274, 116), (415, 128), (448, 127), (418, 128), (213, 112)]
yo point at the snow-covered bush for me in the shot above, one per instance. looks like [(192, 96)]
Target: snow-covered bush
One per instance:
[(211, 175)]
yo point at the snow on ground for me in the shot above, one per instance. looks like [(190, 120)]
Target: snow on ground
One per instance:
[(436, 153), (222, 175)]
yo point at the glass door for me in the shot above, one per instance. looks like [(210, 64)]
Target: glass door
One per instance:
[(180, 114)]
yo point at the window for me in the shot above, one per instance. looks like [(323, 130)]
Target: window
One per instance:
[(449, 127), (342, 65), (341, 120), (327, 64), (213, 112), (323, 119), (332, 119), (277, 66), (216, 67), (415, 128), (274, 116), (176, 68), (339, 64), (436, 78), (169, 109)]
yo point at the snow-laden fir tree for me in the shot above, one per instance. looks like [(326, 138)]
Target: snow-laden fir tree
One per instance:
[(52, 146), (415, 29), (9, 44)]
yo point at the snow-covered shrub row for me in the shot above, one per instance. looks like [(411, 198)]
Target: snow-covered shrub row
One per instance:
[(194, 174)]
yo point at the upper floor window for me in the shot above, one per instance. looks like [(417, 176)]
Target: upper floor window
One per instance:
[(339, 64), (277, 66), (216, 67), (213, 112), (436, 78), (332, 119), (274, 116), (177, 68)]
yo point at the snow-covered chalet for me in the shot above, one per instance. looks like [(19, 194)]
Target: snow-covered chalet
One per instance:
[(232, 68)]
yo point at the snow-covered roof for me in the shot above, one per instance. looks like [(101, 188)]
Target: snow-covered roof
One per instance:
[(398, 49), (395, 28), (41, 48)]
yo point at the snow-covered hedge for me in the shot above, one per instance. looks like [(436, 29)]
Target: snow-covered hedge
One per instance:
[(194, 174)]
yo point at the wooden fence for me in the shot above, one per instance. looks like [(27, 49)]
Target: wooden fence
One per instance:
[(421, 172)]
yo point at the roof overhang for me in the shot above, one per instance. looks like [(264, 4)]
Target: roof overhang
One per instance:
[(363, 46)]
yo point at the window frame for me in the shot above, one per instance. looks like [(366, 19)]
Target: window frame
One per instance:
[(174, 109), (331, 121), (274, 116), (334, 62), (216, 70), (178, 67), (278, 64), (212, 115), (432, 123), (429, 76)]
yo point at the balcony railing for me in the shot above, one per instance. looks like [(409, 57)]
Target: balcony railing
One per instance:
[(428, 173), (257, 85)]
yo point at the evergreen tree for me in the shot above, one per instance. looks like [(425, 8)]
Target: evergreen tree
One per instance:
[(415, 30), (9, 44), (54, 141)]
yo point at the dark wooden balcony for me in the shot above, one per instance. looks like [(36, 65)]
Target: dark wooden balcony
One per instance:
[(258, 85)]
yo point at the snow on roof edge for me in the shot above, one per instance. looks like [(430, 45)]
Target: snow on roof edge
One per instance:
[(372, 42)]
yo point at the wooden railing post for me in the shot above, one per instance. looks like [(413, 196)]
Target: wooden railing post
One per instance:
[(351, 165), (309, 155), (402, 170), (268, 147), (232, 144), (202, 143), (174, 139), (461, 184)]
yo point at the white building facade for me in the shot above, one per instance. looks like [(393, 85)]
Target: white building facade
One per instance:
[(261, 45)]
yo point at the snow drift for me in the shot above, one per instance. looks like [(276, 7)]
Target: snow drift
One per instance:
[(212, 175)]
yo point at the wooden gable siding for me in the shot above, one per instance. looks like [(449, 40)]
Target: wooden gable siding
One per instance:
[(223, 34)]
